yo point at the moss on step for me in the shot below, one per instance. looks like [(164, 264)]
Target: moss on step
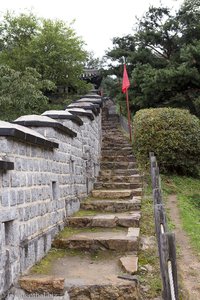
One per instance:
[(84, 213), (69, 231), (44, 267), (88, 199)]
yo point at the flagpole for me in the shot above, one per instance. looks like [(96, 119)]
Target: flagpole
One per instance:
[(129, 116), (125, 86)]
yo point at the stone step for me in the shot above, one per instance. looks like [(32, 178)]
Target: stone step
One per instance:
[(121, 151), (116, 185), (125, 290), (120, 178), (111, 119), (116, 172), (114, 148), (130, 219), (116, 194), (111, 122), (117, 143), (118, 137), (85, 277), (110, 127), (123, 240), (113, 128), (118, 158), (118, 165), (106, 205)]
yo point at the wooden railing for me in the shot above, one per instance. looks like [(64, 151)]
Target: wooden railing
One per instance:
[(165, 239)]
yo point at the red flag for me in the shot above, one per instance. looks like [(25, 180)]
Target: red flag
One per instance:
[(125, 82)]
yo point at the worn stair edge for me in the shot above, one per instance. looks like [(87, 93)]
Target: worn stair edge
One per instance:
[(98, 241), (117, 185), (128, 244), (112, 205), (128, 290), (42, 284), (127, 172), (108, 178), (116, 194), (118, 165), (109, 221), (118, 158)]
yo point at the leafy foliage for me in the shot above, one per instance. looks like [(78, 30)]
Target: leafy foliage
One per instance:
[(36, 56), (51, 47), (172, 134), (109, 85), (21, 92), (163, 60)]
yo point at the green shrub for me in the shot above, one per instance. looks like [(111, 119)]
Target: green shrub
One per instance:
[(172, 134)]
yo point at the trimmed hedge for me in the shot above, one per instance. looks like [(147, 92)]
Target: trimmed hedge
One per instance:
[(172, 134)]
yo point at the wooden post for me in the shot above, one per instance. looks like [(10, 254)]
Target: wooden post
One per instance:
[(155, 178), (165, 240), (169, 274), (160, 220), (163, 253), (157, 196), (172, 258)]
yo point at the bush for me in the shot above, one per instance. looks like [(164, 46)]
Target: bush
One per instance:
[(172, 134)]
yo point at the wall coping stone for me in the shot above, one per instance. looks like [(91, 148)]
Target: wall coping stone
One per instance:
[(90, 95), (81, 112), (63, 114), (92, 101), (44, 121), (87, 106), (25, 134)]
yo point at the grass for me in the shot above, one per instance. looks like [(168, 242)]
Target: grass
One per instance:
[(187, 190), (148, 259)]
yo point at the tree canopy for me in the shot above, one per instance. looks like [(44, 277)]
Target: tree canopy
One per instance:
[(36, 56), (50, 46), (21, 92), (162, 58)]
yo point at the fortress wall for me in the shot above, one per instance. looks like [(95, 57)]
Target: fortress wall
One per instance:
[(47, 167)]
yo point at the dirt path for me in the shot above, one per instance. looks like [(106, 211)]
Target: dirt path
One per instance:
[(188, 263)]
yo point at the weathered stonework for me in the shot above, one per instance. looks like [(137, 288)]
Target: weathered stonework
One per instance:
[(47, 166)]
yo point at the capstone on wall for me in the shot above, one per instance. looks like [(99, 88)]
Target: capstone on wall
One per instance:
[(48, 165)]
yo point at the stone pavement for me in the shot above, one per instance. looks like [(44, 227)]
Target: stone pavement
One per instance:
[(104, 235)]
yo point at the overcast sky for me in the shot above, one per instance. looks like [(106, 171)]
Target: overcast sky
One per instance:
[(97, 22)]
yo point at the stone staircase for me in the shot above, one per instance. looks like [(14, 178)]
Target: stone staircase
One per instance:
[(101, 241)]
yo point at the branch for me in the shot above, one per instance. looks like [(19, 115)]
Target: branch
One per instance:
[(160, 53)]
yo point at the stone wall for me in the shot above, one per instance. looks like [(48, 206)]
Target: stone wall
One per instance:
[(48, 164)]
